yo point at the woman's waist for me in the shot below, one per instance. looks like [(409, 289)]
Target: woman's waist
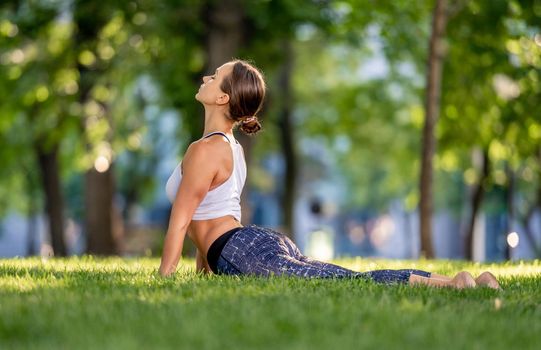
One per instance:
[(204, 232)]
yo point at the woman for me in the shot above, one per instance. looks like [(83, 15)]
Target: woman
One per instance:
[(205, 191)]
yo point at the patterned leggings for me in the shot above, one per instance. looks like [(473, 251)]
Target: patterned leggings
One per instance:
[(263, 252)]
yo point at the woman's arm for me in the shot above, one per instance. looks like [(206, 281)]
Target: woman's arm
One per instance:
[(201, 263), (198, 171)]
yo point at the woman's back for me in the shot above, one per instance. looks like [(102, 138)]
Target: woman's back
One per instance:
[(224, 199)]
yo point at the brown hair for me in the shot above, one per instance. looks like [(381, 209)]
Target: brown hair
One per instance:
[(246, 89)]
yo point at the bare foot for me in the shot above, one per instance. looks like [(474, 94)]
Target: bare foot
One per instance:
[(463, 280), (486, 279)]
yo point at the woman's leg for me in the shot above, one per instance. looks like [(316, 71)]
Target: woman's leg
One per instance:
[(443, 277), (294, 251), (461, 280), (380, 276), (263, 252)]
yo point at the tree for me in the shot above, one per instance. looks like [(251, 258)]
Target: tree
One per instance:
[(286, 128), (487, 98), (432, 108), (34, 26)]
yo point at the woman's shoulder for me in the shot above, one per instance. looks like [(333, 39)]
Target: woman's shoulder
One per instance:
[(207, 148), (208, 143)]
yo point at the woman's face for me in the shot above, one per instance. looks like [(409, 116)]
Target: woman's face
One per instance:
[(210, 92)]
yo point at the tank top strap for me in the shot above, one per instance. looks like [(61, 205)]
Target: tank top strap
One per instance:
[(219, 133)]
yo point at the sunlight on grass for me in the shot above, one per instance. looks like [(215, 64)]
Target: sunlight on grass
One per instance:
[(186, 268), (446, 267), (25, 284), (64, 303)]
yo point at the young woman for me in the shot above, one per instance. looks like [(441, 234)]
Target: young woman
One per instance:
[(205, 190)]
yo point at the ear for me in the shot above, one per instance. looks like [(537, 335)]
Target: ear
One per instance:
[(222, 99)]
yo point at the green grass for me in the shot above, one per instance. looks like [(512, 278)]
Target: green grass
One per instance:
[(82, 303)]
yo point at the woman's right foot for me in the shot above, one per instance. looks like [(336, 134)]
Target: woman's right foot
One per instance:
[(463, 280), (487, 279)]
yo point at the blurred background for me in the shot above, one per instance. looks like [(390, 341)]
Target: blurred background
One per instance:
[(397, 128)]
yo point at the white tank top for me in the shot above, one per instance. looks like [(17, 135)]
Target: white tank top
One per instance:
[(224, 199)]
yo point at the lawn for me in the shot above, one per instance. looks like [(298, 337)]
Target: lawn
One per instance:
[(91, 303)]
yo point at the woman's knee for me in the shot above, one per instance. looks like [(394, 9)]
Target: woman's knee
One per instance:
[(292, 248)]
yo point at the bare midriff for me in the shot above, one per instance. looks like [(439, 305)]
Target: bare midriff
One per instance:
[(204, 232)]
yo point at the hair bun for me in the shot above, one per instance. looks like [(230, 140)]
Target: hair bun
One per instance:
[(250, 125)]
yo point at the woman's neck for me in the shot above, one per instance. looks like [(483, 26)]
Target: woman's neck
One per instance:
[(216, 120)]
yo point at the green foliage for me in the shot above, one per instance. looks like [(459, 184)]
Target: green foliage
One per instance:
[(95, 78), (373, 124), (118, 303), (365, 119), (67, 77), (489, 89)]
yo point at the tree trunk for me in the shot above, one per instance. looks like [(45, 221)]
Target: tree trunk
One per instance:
[(530, 213), (287, 135), (101, 233), (54, 203), (33, 209), (528, 231), (31, 236), (225, 35), (32, 229), (476, 200), (410, 248), (432, 107), (99, 191), (509, 194)]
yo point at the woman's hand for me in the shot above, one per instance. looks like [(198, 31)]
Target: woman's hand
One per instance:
[(164, 273), (201, 264)]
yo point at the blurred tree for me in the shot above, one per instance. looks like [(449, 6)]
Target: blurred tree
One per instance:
[(271, 30), (521, 111), (62, 88), (287, 131), (90, 20), (82, 83), (432, 109), (484, 97), (30, 111), (468, 93), (361, 92), (113, 43)]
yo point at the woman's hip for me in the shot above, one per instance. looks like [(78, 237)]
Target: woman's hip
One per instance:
[(252, 243)]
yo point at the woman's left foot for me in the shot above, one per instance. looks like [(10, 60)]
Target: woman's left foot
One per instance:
[(487, 279), (462, 280)]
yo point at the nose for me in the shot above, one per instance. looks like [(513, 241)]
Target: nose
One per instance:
[(205, 78)]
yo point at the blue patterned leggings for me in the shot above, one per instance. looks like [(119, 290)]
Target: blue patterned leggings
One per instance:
[(254, 250)]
